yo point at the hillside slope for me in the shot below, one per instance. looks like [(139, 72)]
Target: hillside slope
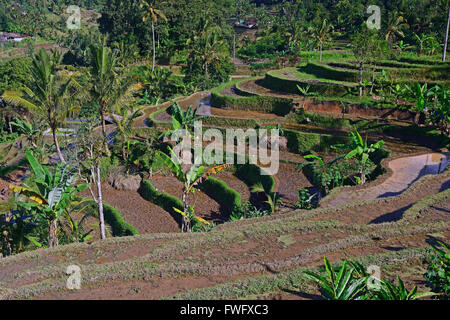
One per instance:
[(249, 258)]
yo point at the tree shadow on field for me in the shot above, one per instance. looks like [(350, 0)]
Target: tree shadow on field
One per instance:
[(432, 241), (391, 216), (303, 295)]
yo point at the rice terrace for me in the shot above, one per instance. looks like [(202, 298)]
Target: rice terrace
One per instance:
[(224, 150)]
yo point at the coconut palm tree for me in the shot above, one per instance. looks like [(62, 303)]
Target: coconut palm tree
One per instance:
[(108, 89), (207, 48), (444, 53), (322, 35), (152, 13), (395, 26), (123, 119), (52, 96)]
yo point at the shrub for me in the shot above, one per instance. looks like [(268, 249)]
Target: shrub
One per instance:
[(161, 199), (324, 88), (303, 117), (307, 201), (302, 142), (247, 211), (230, 122), (326, 72), (438, 272), (327, 177), (201, 227), (251, 175), (15, 73), (221, 193), (278, 106), (120, 228)]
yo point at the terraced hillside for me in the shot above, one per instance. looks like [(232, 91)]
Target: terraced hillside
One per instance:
[(247, 259), (389, 222)]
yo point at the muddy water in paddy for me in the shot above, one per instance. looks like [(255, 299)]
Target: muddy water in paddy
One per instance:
[(405, 171)]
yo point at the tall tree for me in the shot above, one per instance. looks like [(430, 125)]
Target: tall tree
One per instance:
[(89, 157), (53, 94), (108, 88), (152, 13), (444, 53), (322, 34), (396, 25)]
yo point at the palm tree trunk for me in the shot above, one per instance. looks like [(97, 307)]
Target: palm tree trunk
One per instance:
[(360, 79), (320, 51), (154, 49), (444, 54), (58, 149), (108, 153), (373, 79), (100, 204)]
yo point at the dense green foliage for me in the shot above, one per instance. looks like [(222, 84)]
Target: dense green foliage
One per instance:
[(221, 192), (15, 73), (251, 175), (438, 272), (119, 227), (161, 199), (351, 281), (303, 142)]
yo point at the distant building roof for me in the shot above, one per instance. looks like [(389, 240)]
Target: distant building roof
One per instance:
[(247, 23)]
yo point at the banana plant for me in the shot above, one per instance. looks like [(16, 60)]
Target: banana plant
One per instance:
[(304, 92), (389, 291), (438, 108), (361, 150), (76, 228), (397, 91), (340, 285), (421, 42), (190, 216), (32, 131), (438, 272), (419, 93), (365, 83), (273, 198), (51, 195), (190, 179), (183, 120), (124, 126), (316, 160)]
